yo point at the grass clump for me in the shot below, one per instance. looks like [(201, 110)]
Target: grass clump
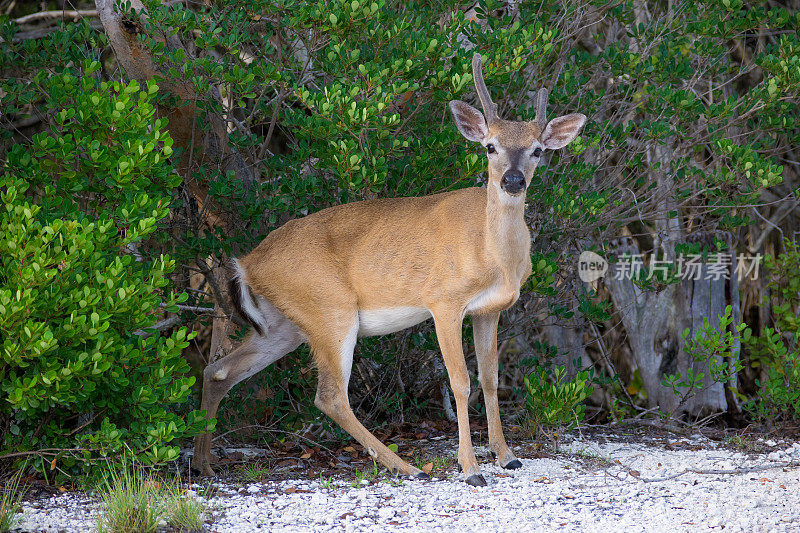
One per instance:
[(430, 463), (131, 503), (10, 503), (136, 502), (183, 511), (254, 471)]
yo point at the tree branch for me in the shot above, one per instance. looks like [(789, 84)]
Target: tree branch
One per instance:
[(56, 14)]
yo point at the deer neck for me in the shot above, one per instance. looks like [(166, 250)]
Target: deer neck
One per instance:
[(507, 237)]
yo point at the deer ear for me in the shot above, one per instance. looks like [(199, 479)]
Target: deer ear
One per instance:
[(562, 130), (470, 121)]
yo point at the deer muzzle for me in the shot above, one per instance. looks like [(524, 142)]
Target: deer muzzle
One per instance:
[(513, 182)]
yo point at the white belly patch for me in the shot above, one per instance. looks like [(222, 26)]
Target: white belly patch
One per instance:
[(382, 321)]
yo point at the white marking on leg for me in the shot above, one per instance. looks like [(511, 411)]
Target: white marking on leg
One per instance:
[(483, 298), (346, 352)]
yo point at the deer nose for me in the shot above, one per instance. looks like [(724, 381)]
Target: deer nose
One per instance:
[(513, 182)]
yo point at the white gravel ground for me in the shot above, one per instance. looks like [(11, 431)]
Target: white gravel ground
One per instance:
[(589, 486)]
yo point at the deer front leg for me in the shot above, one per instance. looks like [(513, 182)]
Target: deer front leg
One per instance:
[(448, 331), (484, 328)]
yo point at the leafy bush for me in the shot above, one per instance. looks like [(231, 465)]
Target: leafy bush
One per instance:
[(558, 401), (714, 348), (777, 350), (80, 376), (340, 100)]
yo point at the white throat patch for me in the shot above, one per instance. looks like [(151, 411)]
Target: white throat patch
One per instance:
[(507, 199)]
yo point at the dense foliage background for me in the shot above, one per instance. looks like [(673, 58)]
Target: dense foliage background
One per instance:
[(139, 150)]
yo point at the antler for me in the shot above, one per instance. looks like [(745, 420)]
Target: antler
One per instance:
[(489, 107), (541, 108)]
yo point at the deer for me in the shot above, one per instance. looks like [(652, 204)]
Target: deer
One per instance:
[(378, 266)]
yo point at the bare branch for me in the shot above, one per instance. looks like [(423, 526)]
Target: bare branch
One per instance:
[(56, 14)]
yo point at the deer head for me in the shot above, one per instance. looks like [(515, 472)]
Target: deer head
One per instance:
[(513, 148)]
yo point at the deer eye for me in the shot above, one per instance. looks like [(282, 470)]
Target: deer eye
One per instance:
[(490, 148), (537, 152)]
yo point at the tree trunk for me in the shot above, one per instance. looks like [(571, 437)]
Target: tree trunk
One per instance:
[(567, 337), (654, 322), (207, 145)]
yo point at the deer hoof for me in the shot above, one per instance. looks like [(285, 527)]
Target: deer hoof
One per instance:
[(476, 480), (513, 464)]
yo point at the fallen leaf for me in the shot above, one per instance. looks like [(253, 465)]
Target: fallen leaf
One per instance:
[(53, 463), (782, 486), (635, 473), (427, 468), (765, 480), (292, 490), (305, 455), (349, 449)]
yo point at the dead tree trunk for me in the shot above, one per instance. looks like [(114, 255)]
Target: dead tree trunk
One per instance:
[(654, 321), (567, 337)]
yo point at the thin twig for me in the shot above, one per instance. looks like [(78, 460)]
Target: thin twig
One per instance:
[(743, 470), (271, 429), (56, 14)]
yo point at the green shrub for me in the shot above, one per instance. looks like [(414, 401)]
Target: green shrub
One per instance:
[(714, 347), (80, 377), (556, 402), (777, 349)]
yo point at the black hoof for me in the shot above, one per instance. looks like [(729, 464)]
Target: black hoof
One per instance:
[(513, 465), (476, 480), (422, 475)]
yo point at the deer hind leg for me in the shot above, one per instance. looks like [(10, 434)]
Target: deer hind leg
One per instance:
[(253, 355), (484, 328), (333, 354), (448, 332)]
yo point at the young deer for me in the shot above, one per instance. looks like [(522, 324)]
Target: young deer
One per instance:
[(379, 266)]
